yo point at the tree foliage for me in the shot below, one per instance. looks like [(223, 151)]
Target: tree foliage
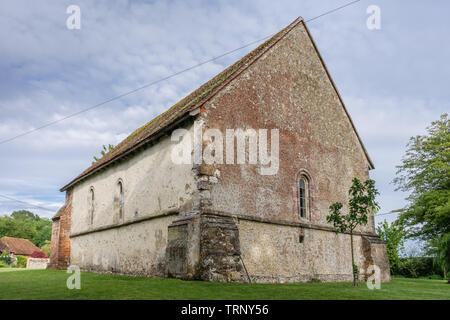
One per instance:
[(21, 261), (46, 247), (103, 152), (25, 224), (394, 236), (439, 249), (24, 214), (425, 173), (5, 257), (361, 203), (38, 254)]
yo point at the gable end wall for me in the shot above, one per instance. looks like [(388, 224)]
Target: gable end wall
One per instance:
[(289, 89)]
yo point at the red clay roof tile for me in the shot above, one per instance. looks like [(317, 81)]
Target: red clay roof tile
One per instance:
[(18, 246)]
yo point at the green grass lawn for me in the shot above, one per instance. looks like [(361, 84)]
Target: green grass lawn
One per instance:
[(51, 284)]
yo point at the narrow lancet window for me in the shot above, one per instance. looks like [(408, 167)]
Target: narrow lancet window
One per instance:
[(120, 200), (91, 207), (304, 196)]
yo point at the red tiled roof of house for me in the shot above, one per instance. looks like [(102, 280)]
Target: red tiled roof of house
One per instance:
[(18, 246)]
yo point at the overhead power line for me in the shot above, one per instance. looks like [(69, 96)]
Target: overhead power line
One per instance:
[(333, 10), (27, 203), (161, 80), (382, 214)]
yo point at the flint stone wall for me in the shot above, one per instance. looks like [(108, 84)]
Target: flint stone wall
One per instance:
[(37, 263), (204, 247)]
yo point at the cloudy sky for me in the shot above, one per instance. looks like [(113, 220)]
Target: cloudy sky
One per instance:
[(394, 81)]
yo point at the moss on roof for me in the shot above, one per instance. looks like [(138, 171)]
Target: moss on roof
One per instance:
[(180, 109)]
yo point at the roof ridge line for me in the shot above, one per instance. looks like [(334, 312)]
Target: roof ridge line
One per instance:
[(205, 92), (274, 39)]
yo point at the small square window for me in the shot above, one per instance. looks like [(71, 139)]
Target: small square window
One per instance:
[(301, 238)]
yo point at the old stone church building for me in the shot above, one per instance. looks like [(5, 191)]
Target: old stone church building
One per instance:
[(136, 211)]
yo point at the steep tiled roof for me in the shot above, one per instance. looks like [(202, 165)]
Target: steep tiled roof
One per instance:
[(60, 212), (192, 101), (18, 246)]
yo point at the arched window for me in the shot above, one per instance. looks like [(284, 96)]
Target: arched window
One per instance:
[(91, 205), (303, 187), (120, 191)]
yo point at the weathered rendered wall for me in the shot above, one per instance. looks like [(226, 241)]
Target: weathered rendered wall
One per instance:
[(133, 249), (183, 248), (152, 186), (288, 89), (274, 253)]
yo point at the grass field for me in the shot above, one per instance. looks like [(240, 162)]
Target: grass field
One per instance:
[(51, 284)]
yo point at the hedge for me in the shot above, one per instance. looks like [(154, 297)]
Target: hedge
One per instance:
[(21, 261), (415, 267)]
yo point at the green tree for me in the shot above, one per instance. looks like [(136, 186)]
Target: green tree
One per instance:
[(43, 232), (21, 261), (361, 203), (16, 228), (425, 173), (5, 257), (46, 247), (439, 249), (103, 152), (394, 236), (24, 214), (25, 224)]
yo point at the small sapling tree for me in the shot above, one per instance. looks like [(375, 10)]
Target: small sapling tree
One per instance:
[(103, 152), (361, 203)]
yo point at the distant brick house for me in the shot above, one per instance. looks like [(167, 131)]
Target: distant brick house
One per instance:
[(17, 246), (136, 211)]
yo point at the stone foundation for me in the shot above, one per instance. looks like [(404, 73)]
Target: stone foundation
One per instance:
[(220, 249), (213, 247), (374, 251), (183, 248), (204, 247), (136, 248)]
